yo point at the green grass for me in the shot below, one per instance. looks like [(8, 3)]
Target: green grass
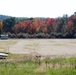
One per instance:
[(61, 72), (19, 65)]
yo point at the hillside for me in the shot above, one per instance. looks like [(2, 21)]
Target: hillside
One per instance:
[(2, 17)]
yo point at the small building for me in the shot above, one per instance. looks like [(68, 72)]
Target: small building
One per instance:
[(4, 36)]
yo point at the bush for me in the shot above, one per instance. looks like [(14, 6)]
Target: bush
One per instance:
[(74, 35), (59, 35), (47, 36), (53, 35), (27, 35), (68, 35), (21, 35), (11, 35), (40, 35)]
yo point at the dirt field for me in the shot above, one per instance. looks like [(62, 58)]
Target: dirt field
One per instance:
[(53, 47)]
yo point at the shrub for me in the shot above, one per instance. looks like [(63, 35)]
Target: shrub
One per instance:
[(40, 35), (11, 35), (68, 35), (53, 35), (47, 36), (21, 35), (59, 35), (74, 35), (26, 35)]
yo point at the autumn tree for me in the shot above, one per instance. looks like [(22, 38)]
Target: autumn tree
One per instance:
[(1, 27), (50, 25), (23, 27)]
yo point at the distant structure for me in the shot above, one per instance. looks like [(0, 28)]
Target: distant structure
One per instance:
[(4, 36)]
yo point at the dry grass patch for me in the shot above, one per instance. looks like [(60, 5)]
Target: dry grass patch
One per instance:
[(33, 44), (8, 42), (60, 44), (4, 48)]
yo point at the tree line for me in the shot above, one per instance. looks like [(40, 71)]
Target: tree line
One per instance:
[(61, 27)]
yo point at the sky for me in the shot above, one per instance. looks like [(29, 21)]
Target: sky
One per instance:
[(37, 8)]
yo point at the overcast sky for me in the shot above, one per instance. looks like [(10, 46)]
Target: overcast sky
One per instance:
[(37, 8)]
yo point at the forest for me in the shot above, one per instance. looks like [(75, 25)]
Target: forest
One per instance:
[(60, 27)]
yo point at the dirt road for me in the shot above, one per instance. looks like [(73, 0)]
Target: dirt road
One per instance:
[(44, 47)]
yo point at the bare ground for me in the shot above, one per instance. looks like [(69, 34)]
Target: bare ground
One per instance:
[(44, 47)]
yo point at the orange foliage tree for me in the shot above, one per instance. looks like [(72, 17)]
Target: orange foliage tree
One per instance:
[(1, 26)]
